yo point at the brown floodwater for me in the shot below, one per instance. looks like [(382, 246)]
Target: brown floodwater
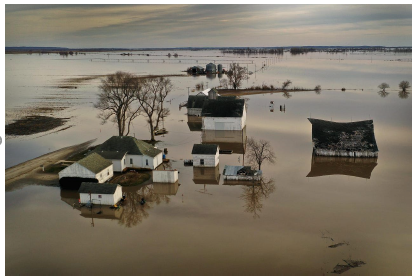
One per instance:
[(202, 226)]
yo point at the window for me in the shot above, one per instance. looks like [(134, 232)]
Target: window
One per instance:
[(131, 161), (108, 172), (146, 161), (124, 161), (99, 196), (202, 161)]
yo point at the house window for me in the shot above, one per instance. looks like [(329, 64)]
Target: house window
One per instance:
[(131, 161), (202, 161), (99, 196), (108, 172), (146, 161), (124, 161)]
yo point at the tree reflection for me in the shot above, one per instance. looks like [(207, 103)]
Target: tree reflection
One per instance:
[(133, 212), (403, 94), (255, 194), (383, 93), (286, 94)]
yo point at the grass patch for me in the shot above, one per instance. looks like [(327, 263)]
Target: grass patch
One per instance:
[(54, 168), (129, 178)]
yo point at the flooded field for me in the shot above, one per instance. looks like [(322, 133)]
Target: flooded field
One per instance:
[(313, 217)]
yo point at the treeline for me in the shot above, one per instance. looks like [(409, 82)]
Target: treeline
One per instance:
[(249, 51)]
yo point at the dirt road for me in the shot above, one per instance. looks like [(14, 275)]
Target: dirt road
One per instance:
[(32, 169)]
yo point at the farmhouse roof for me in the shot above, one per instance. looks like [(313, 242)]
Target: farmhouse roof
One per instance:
[(129, 145), (111, 154), (196, 101), (94, 162), (350, 136), (223, 107), (88, 187), (204, 149)]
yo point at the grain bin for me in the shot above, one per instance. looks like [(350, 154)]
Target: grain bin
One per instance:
[(211, 68), (220, 69)]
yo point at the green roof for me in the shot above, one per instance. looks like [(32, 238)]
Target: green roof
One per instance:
[(110, 154), (129, 145), (350, 136), (223, 107), (196, 101), (94, 162), (204, 149), (88, 187)]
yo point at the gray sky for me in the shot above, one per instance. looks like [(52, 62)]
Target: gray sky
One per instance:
[(142, 26)]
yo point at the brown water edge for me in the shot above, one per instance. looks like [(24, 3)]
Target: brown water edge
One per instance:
[(31, 171)]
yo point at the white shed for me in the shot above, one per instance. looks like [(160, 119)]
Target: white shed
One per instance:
[(92, 168), (224, 114), (165, 176), (205, 155), (105, 194)]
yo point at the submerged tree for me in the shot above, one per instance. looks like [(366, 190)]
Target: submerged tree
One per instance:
[(383, 86), (286, 84), (117, 100), (404, 85), (259, 152), (317, 89), (151, 97), (236, 74)]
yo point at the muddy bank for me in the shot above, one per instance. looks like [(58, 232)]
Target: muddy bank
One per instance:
[(242, 92), (31, 172), (34, 124)]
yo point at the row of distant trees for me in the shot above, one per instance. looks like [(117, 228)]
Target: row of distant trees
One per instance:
[(124, 96), (404, 86)]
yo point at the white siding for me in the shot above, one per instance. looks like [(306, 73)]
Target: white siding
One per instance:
[(210, 160), (194, 111), (218, 123), (77, 170), (105, 199), (105, 174), (118, 164), (165, 176)]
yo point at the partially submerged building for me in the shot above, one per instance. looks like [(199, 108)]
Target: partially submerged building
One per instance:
[(356, 167), (104, 194), (195, 102), (241, 173), (205, 155), (92, 168), (351, 139), (224, 114), (128, 152)]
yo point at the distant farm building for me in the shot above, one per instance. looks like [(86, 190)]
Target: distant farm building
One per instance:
[(129, 152), (211, 68), (352, 139), (196, 70), (92, 168), (205, 155), (105, 194), (241, 173), (224, 114)]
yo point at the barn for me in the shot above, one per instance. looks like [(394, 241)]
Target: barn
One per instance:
[(195, 104), (128, 152), (224, 114), (92, 168), (350, 139), (105, 194), (205, 155)]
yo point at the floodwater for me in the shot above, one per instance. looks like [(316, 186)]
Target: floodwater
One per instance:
[(201, 226)]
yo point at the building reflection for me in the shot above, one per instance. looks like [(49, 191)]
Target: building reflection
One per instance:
[(357, 167), (194, 123), (206, 175), (229, 141)]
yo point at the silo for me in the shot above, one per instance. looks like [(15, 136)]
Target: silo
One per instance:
[(211, 68), (220, 68)]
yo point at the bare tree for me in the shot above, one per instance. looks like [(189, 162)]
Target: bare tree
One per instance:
[(151, 97), (236, 74), (286, 84), (383, 86), (117, 100), (253, 195), (259, 152), (317, 89), (404, 85), (223, 83)]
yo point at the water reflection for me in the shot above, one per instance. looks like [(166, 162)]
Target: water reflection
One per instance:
[(403, 94), (383, 93), (254, 194), (206, 175), (357, 167), (232, 141), (194, 123), (286, 94)]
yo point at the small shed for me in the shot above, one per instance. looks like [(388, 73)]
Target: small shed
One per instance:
[(205, 155), (92, 168), (243, 173), (165, 176), (224, 114), (350, 139), (105, 194)]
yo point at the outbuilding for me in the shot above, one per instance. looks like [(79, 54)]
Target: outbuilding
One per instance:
[(129, 152), (205, 155), (349, 139), (224, 114), (165, 176), (243, 173), (105, 194), (92, 168)]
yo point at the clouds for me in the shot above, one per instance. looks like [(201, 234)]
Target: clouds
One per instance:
[(207, 25)]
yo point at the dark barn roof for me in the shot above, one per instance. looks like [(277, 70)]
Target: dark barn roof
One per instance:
[(351, 136), (204, 149), (94, 162), (128, 144), (87, 187), (110, 154), (196, 101), (223, 107)]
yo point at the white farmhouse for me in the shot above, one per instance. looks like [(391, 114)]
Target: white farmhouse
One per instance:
[(128, 152), (105, 194), (205, 155), (224, 114), (92, 168)]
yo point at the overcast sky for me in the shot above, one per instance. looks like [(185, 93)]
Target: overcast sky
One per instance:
[(144, 26)]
